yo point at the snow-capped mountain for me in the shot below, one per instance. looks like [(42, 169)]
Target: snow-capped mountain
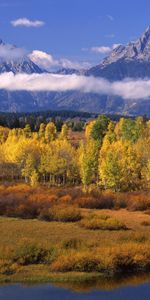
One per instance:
[(24, 65), (132, 60), (13, 59), (138, 50)]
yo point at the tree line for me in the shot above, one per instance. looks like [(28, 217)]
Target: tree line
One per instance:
[(34, 119), (111, 155)]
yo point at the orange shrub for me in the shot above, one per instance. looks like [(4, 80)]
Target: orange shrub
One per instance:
[(76, 261), (138, 201), (60, 213), (96, 200), (66, 199)]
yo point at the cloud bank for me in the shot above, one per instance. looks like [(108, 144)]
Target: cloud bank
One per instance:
[(127, 89), (27, 23), (48, 62)]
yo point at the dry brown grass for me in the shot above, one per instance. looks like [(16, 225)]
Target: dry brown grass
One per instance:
[(62, 244), (73, 248), (103, 222)]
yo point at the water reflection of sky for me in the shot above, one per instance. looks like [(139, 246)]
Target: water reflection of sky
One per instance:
[(47, 292)]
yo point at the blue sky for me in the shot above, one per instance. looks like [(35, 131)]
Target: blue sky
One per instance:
[(72, 28)]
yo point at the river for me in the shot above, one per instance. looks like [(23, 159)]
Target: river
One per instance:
[(106, 291)]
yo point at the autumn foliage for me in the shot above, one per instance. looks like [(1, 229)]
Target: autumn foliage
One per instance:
[(63, 204), (112, 155)]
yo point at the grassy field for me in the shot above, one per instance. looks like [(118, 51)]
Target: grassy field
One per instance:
[(48, 233), (63, 234), (76, 253)]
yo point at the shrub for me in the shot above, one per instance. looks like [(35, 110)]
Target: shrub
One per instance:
[(60, 213), (45, 215), (66, 199), (96, 199), (25, 211), (50, 255), (6, 268), (123, 262), (121, 200), (64, 263), (110, 261), (88, 202), (108, 200), (75, 261), (28, 253), (87, 263), (130, 257), (65, 214), (138, 201), (94, 223)]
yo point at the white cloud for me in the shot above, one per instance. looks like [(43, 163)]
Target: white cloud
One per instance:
[(48, 62), (104, 49), (9, 52), (27, 23), (111, 18), (43, 59), (127, 89), (101, 49), (66, 63)]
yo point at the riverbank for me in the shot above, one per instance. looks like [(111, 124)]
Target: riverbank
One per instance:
[(75, 281), (40, 274)]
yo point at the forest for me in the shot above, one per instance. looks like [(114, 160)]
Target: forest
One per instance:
[(34, 119), (107, 154)]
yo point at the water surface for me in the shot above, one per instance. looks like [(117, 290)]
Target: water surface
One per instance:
[(106, 291)]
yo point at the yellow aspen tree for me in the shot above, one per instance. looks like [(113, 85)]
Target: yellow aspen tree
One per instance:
[(88, 162), (50, 132), (64, 132)]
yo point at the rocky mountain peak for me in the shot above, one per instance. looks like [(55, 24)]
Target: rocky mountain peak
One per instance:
[(146, 35), (135, 50), (16, 60)]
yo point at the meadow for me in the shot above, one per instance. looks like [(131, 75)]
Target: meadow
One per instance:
[(61, 234)]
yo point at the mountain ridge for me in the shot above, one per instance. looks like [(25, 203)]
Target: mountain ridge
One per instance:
[(132, 60)]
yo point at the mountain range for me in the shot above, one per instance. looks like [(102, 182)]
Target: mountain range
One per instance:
[(125, 61)]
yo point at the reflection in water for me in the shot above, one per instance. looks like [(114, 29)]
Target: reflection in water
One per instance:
[(131, 288), (104, 284)]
